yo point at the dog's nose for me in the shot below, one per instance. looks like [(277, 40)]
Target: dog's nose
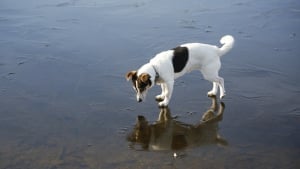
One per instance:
[(140, 100)]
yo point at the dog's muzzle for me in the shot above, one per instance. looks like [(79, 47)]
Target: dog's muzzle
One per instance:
[(139, 98)]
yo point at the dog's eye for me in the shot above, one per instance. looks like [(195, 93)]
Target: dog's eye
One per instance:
[(142, 85)]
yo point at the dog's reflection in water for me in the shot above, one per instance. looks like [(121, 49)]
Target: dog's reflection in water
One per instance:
[(169, 134)]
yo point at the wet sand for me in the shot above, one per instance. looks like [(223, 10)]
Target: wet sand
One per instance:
[(64, 101)]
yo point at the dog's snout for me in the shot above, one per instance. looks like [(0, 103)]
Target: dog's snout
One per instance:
[(139, 98)]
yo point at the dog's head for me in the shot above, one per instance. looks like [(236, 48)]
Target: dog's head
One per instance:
[(141, 83), (141, 133)]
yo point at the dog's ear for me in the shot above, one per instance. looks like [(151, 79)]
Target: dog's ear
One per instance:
[(130, 75), (145, 77)]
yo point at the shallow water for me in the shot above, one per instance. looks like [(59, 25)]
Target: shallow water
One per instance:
[(64, 101)]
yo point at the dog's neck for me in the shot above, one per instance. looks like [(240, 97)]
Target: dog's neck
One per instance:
[(149, 69)]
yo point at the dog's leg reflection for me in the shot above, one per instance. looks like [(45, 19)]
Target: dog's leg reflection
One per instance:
[(210, 115), (169, 134), (164, 114), (211, 118)]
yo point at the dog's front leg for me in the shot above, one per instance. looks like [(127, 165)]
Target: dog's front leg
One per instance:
[(161, 97), (168, 90)]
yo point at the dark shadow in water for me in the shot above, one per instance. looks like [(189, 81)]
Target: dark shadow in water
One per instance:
[(169, 134)]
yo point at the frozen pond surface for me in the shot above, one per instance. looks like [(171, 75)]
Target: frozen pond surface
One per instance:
[(64, 101)]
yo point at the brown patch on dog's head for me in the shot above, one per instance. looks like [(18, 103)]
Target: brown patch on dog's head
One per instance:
[(131, 75), (143, 82), (144, 77)]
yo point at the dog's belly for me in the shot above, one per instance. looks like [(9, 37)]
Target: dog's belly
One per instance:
[(187, 69)]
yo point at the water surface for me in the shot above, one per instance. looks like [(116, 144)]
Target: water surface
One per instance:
[(64, 101)]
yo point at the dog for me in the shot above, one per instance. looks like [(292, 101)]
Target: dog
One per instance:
[(168, 65), (169, 134)]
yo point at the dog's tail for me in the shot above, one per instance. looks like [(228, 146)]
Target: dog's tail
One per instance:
[(227, 41)]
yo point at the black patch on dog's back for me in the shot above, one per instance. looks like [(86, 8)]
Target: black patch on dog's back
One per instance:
[(180, 58)]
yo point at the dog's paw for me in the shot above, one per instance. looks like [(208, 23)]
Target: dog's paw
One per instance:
[(222, 96), (211, 93), (159, 98), (163, 104)]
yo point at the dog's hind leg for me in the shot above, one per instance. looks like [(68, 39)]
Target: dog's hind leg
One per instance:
[(220, 82), (214, 90), (217, 81), (210, 72)]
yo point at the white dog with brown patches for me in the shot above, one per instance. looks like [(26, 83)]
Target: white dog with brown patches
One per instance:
[(168, 65)]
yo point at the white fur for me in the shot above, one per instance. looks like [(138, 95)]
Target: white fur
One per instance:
[(202, 57)]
